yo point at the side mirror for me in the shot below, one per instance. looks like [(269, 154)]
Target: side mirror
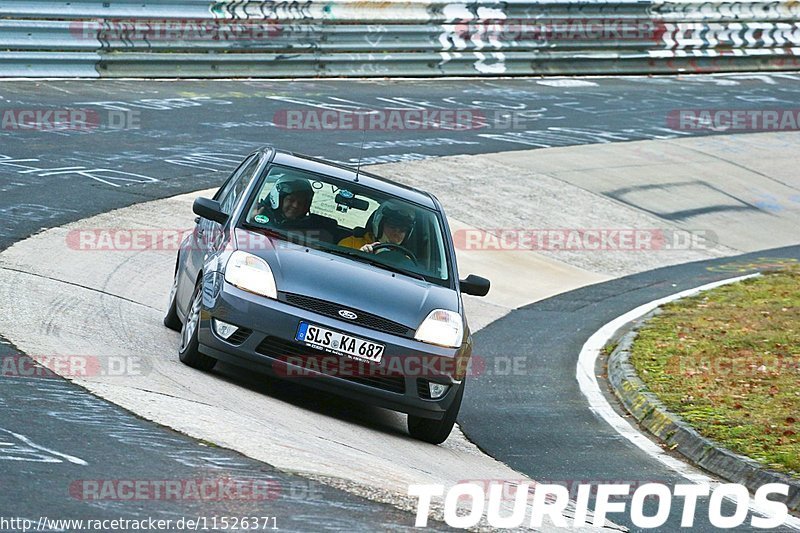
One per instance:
[(475, 285), (209, 209)]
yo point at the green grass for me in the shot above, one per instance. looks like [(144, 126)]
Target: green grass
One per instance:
[(728, 362)]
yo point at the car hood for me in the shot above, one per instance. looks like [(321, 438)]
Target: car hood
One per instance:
[(355, 285)]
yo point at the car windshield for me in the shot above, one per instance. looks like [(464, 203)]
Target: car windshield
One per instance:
[(351, 220)]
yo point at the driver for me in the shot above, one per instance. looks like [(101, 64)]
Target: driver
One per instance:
[(391, 224)]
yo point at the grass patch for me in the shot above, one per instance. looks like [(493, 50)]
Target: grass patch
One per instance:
[(609, 348), (728, 362)]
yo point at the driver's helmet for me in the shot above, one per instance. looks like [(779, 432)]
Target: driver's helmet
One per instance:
[(396, 214), (286, 186)]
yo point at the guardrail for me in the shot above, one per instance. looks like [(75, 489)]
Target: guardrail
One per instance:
[(202, 38)]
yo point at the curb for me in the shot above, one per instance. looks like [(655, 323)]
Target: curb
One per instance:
[(673, 431)]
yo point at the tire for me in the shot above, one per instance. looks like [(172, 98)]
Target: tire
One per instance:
[(171, 319), (436, 431), (189, 352)]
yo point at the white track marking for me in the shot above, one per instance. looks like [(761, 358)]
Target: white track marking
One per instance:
[(600, 406), (569, 82), (72, 459)]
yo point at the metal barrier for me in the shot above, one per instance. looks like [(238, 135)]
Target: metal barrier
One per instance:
[(244, 38)]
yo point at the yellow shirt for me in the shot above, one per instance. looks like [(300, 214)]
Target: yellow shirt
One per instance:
[(358, 242)]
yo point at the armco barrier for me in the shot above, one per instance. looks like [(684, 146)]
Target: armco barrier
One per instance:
[(201, 38)]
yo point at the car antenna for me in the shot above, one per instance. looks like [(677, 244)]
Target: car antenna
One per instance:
[(361, 152)]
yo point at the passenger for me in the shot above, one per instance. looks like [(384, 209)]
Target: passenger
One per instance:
[(392, 222), (288, 201), (287, 207)]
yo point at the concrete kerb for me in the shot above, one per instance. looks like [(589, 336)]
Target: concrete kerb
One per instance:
[(678, 435)]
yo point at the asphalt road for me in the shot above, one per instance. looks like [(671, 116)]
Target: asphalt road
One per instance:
[(148, 140), (67, 455), (142, 140), (537, 420)]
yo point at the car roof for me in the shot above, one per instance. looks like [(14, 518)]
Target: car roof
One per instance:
[(320, 166)]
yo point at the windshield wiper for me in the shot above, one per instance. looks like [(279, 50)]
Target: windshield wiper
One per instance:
[(268, 231), (360, 257)]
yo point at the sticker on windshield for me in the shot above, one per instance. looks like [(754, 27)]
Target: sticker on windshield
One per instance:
[(346, 194), (262, 219)]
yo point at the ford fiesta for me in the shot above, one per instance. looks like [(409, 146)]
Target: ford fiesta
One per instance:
[(339, 279)]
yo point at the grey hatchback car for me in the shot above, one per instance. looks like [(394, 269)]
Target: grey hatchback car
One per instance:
[(338, 279)]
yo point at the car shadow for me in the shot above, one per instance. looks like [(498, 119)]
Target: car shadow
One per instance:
[(310, 399)]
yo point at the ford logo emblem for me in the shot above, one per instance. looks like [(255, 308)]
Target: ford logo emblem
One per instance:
[(349, 315)]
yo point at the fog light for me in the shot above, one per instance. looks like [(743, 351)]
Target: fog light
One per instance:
[(223, 329), (437, 390)]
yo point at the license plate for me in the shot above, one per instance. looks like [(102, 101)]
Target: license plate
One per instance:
[(339, 343)]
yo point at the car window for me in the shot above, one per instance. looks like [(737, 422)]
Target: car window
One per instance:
[(237, 184), (222, 191), (341, 217)]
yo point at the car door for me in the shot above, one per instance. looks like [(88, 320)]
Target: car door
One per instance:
[(207, 234)]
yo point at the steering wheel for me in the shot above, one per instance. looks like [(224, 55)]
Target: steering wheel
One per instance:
[(396, 247)]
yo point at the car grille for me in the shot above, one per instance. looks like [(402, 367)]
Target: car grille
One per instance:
[(423, 390), (373, 376), (240, 336), (367, 320)]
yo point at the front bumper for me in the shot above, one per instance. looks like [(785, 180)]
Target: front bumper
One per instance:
[(266, 342)]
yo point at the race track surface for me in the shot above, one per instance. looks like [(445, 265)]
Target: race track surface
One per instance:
[(156, 140), (151, 139), (520, 419), (67, 454)]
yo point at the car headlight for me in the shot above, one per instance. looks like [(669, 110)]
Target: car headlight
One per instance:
[(251, 274), (441, 327)]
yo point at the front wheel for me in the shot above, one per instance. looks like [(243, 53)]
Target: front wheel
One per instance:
[(171, 319), (189, 352), (436, 431)]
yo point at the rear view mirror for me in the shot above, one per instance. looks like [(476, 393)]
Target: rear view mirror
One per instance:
[(351, 202), (475, 285), (209, 209)]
